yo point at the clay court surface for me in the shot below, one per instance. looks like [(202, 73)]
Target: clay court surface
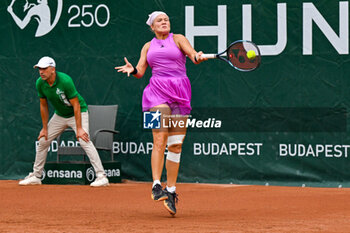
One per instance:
[(127, 207)]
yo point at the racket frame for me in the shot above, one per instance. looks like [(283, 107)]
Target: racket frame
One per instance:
[(221, 55)]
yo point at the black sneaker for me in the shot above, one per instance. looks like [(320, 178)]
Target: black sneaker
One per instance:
[(158, 194), (170, 202)]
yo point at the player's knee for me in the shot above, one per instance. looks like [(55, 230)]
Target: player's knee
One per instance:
[(83, 144), (174, 147), (43, 143)]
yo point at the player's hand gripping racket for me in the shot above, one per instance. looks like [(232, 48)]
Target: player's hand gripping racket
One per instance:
[(242, 55)]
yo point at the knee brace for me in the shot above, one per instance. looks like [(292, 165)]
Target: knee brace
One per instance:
[(174, 140)]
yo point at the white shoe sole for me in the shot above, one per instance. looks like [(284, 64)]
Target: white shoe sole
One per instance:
[(28, 184), (104, 185)]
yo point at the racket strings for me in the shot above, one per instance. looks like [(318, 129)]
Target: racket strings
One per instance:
[(237, 55)]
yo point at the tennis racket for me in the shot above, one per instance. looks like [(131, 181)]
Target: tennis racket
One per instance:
[(236, 55)]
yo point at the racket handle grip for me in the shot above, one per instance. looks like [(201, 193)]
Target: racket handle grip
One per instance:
[(209, 55)]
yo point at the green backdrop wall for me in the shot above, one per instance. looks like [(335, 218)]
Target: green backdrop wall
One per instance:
[(283, 124)]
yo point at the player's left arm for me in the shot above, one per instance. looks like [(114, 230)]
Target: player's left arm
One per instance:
[(185, 46), (77, 114)]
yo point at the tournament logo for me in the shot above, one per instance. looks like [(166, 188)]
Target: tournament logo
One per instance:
[(38, 10), (151, 120), (90, 174)]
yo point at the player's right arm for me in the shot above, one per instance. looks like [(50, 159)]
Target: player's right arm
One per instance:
[(44, 112), (141, 65)]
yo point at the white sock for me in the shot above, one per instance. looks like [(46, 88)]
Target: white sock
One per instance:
[(156, 182), (171, 189)]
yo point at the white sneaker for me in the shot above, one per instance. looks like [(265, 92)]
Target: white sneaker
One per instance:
[(30, 180), (100, 181)]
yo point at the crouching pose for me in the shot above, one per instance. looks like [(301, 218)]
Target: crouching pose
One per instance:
[(70, 111)]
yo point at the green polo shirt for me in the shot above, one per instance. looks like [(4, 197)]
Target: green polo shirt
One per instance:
[(59, 93)]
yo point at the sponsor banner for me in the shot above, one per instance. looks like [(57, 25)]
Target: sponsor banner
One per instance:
[(234, 148), (78, 173)]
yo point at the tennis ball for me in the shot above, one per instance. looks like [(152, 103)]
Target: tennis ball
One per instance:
[(251, 54)]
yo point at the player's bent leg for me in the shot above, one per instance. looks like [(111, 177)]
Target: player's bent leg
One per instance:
[(91, 152), (172, 166), (160, 137), (101, 178), (157, 163), (56, 126), (157, 157), (40, 158), (173, 157)]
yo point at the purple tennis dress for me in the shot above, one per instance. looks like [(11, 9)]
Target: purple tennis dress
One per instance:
[(169, 83)]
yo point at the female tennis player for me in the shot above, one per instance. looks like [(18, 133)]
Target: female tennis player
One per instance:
[(169, 92)]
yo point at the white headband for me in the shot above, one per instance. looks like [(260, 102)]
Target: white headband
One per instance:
[(153, 16)]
